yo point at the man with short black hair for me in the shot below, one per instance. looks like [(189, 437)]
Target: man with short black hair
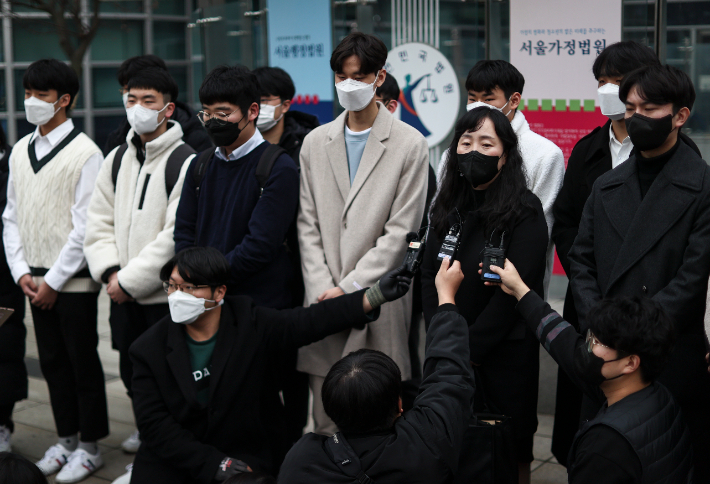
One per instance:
[(131, 217), (193, 134), (52, 175), (363, 188), (645, 231), (222, 203), (277, 122), (362, 394), (638, 435), (202, 403), (388, 94)]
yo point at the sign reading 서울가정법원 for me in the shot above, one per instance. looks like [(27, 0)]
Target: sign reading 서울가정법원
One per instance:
[(429, 89), (300, 43)]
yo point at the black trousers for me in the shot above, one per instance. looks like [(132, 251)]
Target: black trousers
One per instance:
[(6, 416), (67, 343), (128, 321)]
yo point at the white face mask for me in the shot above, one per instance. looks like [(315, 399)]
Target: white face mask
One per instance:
[(479, 104), (266, 120), (355, 95), (186, 308), (124, 96), (143, 120), (609, 101), (39, 112)]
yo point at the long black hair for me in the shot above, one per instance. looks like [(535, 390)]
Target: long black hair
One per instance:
[(506, 197)]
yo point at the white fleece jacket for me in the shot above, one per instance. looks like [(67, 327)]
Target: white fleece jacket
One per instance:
[(545, 171), (131, 229)]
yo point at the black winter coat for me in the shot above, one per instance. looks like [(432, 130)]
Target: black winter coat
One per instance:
[(194, 134), (424, 444), (296, 126), (13, 374), (183, 442), (658, 247)]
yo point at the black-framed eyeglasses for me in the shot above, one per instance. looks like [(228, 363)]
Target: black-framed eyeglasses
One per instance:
[(592, 340), (171, 287), (221, 118)]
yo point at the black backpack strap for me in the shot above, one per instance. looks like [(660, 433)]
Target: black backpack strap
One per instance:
[(174, 165), (198, 173), (117, 163), (266, 163), (346, 459)]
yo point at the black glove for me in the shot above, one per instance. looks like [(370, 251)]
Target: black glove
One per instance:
[(391, 286), (230, 467)]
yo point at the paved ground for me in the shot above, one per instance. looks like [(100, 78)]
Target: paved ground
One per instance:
[(35, 431)]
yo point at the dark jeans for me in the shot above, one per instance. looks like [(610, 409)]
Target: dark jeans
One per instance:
[(6, 416), (128, 321), (67, 344)]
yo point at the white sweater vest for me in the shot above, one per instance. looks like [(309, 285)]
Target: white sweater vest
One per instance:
[(44, 201)]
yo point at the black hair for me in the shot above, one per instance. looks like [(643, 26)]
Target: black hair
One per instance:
[(233, 84), (506, 197), (47, 74), (275, 81), (620, 58), (201, 266), (659, 84), (251, 478), (134, 65), (361, 392), (371, 51), (486, 75), (389, 90), (635, 326), (3, 139), (15, 469), (157, 79)]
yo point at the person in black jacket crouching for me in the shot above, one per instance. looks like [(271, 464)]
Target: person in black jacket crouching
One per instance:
[(638, 435), (200, 401), (361, 393)]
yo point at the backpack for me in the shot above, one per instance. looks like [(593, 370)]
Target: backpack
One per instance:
[(172, 167), (340, 452)]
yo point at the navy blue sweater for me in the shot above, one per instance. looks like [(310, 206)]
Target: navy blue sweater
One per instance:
[(249, 230)]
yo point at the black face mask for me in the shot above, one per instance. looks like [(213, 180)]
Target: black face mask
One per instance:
[(589, 366), (478, 168), (223, 134), (648, 133)]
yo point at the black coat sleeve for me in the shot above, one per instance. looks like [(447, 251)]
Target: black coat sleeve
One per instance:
[(565, 211), (527, 251), (602, 454), (186, 216), (292, 328), (430, 266), (443, 407), (169, 439)]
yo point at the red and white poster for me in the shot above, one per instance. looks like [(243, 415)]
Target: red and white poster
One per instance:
[(554, 44)]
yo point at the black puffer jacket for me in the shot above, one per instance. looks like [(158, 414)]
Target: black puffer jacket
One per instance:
[(296, 126)]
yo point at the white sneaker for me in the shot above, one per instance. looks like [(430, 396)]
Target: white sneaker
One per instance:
[(125, 478), (80, 465), (5, 439), (54, 459), (132, 443)]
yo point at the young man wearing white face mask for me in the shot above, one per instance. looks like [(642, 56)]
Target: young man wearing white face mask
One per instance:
[(202, 399), (499, 85), (363, 188), (131, 217), (52, 176)]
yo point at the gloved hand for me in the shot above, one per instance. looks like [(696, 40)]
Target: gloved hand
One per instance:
[(391, 286), (230, 467)]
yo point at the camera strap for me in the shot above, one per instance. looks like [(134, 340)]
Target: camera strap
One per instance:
[(345, 458)]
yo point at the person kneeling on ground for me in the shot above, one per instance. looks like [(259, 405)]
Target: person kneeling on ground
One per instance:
[(639, 434), (199, 395), (361, 393)]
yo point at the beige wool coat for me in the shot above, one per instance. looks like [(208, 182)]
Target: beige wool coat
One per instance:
[(350, 236)]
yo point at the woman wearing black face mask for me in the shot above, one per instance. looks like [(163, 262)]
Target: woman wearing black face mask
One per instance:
[(485, 187)]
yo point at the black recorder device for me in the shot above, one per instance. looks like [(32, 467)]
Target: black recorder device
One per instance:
[(492, 256), (415, 251)]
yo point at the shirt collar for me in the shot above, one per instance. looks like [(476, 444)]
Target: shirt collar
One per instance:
[(243, 150), (612, 137), (55, 136)]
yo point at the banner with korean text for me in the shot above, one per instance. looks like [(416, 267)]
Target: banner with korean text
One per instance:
[(554, 44)]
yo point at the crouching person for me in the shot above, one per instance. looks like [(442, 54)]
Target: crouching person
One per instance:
[(377, 441), (639, 434), (199, 395)]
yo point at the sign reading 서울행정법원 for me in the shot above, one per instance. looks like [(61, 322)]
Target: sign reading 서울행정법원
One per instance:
[(429, 89)]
